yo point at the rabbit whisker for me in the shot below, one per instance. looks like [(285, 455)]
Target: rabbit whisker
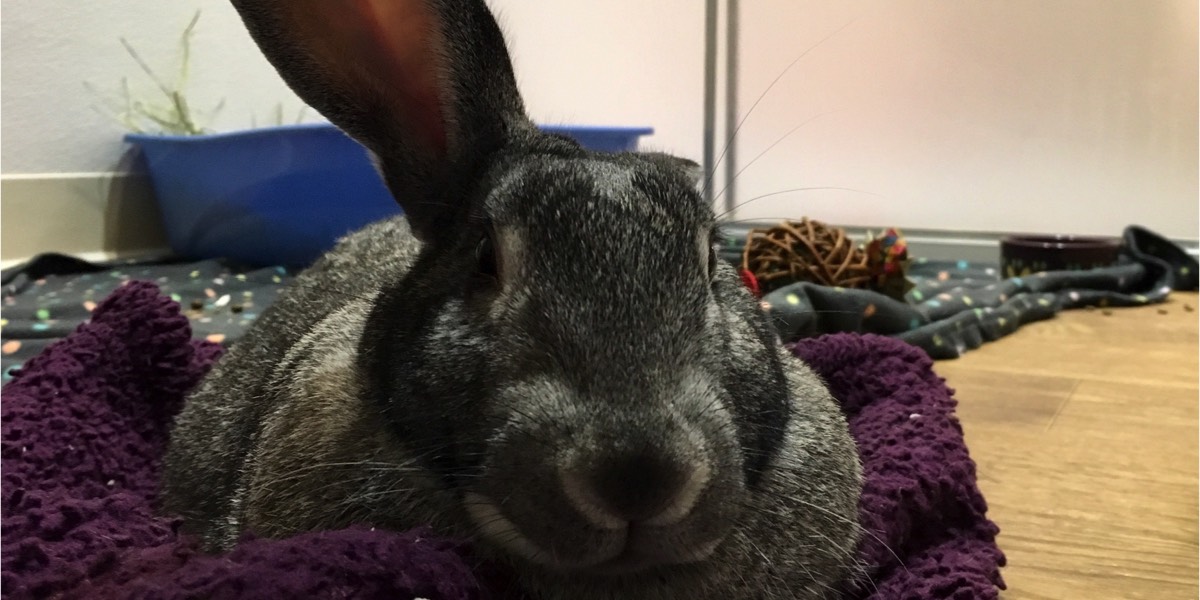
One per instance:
[(742, 121), (768, 149), (794, 191)]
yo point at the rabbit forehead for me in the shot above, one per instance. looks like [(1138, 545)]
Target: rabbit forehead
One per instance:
[(604, 254), (603, 190), (600, 215)]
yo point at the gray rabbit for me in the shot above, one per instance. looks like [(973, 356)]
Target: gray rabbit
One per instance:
[(544, 355)]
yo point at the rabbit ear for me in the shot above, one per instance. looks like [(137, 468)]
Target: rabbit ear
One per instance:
[(689, 167), (426, 85)]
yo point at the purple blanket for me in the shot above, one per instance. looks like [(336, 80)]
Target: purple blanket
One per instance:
[(86, 422)]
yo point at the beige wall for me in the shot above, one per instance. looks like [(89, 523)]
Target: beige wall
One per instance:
[(968, 115), (986, 115)]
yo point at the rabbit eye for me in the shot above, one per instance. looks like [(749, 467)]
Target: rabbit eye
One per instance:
[(485, 258), (713, 240)]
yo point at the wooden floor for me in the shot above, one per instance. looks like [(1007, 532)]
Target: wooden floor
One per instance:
[(1085, 431)]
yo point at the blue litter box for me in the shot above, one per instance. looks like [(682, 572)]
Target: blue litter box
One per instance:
[(284, 195), (603, 139)]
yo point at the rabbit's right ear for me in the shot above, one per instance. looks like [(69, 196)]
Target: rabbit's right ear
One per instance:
[(426, 85)]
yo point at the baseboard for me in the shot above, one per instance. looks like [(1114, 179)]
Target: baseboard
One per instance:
[(937, 244), (99, 215), (102, 216)]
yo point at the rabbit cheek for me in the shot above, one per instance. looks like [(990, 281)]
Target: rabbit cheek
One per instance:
[(751, 367)]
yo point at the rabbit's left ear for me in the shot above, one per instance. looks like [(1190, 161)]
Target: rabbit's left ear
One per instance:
[(426, 85), (689, 167)]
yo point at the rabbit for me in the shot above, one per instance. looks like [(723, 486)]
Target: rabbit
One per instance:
[(543, 355)]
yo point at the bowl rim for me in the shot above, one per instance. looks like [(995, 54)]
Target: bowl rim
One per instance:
[(266, 130), (1053, 241)]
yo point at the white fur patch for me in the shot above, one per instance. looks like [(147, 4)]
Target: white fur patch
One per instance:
[(510, 248), (583, 502), (496, 527), (686, 500)]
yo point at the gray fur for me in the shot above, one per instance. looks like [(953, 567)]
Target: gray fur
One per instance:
[(395, 384)]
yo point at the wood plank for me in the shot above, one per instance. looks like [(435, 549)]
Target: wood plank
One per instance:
[(1085, 431)]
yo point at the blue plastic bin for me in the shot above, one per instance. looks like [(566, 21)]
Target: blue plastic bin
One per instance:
[(603, 139), (283, 195)]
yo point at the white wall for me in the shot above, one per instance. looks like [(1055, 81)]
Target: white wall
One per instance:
[(1024, 115), (51, 47), (616, 62), (619, 62), (578, 61)]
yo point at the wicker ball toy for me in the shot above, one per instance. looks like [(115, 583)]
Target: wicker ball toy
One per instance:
[(812, 251), (804, 250)]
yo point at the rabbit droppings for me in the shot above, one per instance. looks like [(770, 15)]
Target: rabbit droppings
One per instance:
[(544, 355)]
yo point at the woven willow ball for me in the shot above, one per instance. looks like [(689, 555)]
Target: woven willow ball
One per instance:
[(804, 250)]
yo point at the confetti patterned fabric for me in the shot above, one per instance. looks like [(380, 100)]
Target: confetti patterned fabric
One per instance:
[(956, 307), (52, 295), (85, 424)]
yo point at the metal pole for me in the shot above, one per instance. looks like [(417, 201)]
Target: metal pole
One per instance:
[(731, 108), (710, 96)]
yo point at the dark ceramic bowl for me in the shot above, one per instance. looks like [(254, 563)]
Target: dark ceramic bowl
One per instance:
[(1022, 255)]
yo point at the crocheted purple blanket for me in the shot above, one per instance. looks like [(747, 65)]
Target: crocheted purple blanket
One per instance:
[(86, 422)]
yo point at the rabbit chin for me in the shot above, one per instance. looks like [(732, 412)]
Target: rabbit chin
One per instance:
[(619, 552)]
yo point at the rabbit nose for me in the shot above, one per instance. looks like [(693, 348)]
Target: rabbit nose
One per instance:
[(635, 488)]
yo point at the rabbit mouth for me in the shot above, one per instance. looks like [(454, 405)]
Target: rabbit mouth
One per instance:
[(642, 551), (612, 552)]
